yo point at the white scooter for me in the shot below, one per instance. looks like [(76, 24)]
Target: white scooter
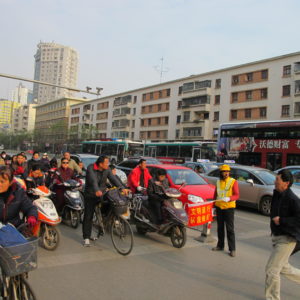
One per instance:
[(47, 217)]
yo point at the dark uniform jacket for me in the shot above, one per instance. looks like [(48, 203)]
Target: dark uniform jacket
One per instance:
[(96, 180), (286, 205), (13, 202)]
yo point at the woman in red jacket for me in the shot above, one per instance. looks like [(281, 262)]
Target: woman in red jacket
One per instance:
[(139, 177)]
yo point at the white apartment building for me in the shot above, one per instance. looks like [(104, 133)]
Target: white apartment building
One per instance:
[(192, 108), (20, 94), (24, 118), (56, 64)]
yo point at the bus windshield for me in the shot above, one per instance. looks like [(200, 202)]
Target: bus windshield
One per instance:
[(135, 149)]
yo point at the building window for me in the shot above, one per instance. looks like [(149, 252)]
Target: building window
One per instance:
[(158, 134), (159, 107), (186, 116), (149, 134), (178, 119), (215, 132), (179, 104), (285, 110), (160, 94), (264, 74), (133, 123), (235, 80), (234, 97), (216, 116), (167, 106), (168, 92), (287, 70), (249, 76), (249, 95), (297, 67), (149, 122), (177, 133), (144, 97), (264, 93), (286, 90), (263, 112), (234, 114), (134, 111), (166, 120), (218, 83), (248, 113), (134, 100), (297, 87), (180, 90), (217, 99), (150, 108), (297, 107), (151, 95)]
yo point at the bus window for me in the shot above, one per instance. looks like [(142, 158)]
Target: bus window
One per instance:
[(146, 153), (292, 159), (274, 161), (249, 159), (88, 148), (185, 151), (161, 151), (120, 152), (173, 151), (98, 150)]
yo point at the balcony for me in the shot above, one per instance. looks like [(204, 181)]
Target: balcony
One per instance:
[(201, 87)]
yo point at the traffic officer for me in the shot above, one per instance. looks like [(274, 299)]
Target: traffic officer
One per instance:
[(226, 194)]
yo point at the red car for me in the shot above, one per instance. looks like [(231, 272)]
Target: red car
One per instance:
[(195, 188)]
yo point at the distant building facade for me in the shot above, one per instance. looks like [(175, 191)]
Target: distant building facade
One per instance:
[(56, 64), (51, 122), (6, 113), (24, 118), (21, 94), (192, 108)]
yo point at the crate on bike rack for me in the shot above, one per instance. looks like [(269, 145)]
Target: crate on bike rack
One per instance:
[(19, 259)]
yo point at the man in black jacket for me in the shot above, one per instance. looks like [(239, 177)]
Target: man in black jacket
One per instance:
[(285, 227), (95, 186)]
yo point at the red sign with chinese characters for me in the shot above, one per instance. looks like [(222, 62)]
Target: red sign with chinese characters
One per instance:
[(199, 214)]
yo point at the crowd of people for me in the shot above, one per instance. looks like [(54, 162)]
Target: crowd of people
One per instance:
[(285, 206)]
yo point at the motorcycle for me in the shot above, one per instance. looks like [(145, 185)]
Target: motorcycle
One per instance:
[(74, 206), (48, 218), (174, 216)]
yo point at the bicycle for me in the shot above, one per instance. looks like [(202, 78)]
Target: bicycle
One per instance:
[(111, 215), (15, 263)]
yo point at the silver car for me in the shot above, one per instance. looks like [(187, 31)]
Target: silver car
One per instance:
[(256, 186)]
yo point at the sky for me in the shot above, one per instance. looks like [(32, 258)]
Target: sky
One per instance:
[(121, 42)]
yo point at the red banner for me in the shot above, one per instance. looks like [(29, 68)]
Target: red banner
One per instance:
[(199, 214)]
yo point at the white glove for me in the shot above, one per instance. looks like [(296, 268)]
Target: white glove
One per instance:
[(139, 188), (226, 199)]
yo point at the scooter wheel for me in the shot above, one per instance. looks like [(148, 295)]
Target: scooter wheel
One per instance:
[(75, 218), (51, 241), (178, 236)]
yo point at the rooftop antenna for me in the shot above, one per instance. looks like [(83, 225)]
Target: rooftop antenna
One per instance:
[(161, 69)]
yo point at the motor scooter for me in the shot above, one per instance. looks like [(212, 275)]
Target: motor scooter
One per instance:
[(48, 218), (174, 216), (74, 204)]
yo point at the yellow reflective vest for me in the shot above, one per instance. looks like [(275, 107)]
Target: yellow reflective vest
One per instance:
[(224, 189)]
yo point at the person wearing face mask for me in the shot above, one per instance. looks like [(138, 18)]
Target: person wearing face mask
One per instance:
[(34, 160), (226, 194), (13, 200)]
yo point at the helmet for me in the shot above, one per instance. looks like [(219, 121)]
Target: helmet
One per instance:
[(224, 168)]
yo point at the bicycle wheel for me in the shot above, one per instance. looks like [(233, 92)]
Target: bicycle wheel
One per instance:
[(121, 235), (20, 289)]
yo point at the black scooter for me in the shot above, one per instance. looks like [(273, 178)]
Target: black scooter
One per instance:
[(174, 217)]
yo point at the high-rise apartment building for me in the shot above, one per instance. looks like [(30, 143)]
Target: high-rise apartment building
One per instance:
[(23, 118), (21, 94), (56, 64)]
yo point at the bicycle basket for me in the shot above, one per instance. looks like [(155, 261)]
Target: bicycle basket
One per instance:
[(19, 259), (120, 209)]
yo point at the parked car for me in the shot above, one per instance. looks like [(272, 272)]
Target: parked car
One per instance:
[(205, 167), (87, 159), (129, 164), (256, 186), (295, 170), (193, 187)]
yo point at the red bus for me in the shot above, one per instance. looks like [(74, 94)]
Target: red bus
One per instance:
[(268, 144)]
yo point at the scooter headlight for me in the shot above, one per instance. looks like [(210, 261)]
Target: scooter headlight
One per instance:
[(177, 204), (195, 199), (72, 194)]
